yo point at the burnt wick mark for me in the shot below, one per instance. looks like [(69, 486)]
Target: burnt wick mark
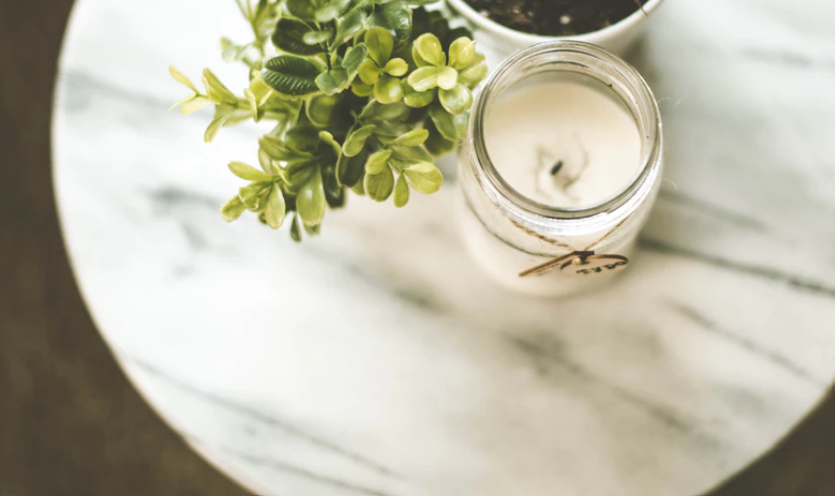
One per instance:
[(556, 168)]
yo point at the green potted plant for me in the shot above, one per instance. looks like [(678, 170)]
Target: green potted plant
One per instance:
[(361, 95)]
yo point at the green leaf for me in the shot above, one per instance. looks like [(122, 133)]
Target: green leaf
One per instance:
[(317, 37), (377, 112), (303, 136), (299, 174), (424, 177), (330, 10), (388, 89), (185, 102), (437, 144), (401, 192), (355, 141), (286, 113), (274, 214), (447, 78), (380, 44), (291, 76), (457, 100), (251, 194), (266, 161), (310, 201), (260, 89), (361, 89), (333, 81), (396, 17), (415, 137), (329, 146), (404, 157), (377, 162), (353, 58), (425, 78), (349, 170), (418, 60), (379, 186), (312, 230), (263, 20), (416, 99), (248, 172), (359, 188), (214, 127), (349, 26), (279, 149), (303, 9), (454, 34), (182, 79), (225, 115), (217, 92), (451, 126), (369, 72), (320, 109), (262, 200), (231, 52), (337, 200), (193, 104), (253, 104), (232, 209), (289, 37), (396, 67), (295, 231), (338, 79), (334, 191), (389, 130), (428, 47), (472, 74), (461, 53)]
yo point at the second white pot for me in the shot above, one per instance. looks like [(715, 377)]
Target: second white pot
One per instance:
[(617, 38)]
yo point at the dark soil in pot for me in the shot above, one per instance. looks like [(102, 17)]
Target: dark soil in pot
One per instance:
[(556, 17)]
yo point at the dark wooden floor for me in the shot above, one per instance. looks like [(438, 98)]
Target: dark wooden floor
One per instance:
[(70, 424)]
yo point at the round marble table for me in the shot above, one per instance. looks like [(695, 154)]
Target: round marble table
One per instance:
[(377, 360)]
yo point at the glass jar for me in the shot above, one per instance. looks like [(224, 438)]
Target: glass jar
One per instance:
[(547, 250)]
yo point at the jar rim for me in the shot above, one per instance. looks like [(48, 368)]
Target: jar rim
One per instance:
[(643, 106)]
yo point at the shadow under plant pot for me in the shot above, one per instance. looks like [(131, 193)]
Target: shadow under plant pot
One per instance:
[(509, 25)]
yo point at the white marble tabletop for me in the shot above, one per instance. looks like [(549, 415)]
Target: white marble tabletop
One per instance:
[(392, 367)]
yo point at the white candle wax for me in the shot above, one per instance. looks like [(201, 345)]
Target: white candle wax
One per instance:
[(563, 144)]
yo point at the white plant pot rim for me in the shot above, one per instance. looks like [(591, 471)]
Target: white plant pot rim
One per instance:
[(521, 38)]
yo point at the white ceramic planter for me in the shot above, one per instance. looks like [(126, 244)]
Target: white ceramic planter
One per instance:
[(616, 38)]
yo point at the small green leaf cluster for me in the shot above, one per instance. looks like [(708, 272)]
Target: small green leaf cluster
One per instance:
[(362, 94)]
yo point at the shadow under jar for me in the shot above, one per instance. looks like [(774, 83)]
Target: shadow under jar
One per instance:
[(560, 168)]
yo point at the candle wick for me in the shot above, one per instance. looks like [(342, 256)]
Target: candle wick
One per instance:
[(583, 165), (556, 168)]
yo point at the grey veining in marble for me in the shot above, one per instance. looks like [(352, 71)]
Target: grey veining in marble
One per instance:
[(394, 368)]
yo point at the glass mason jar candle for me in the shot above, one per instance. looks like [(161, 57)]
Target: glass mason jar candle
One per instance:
[(560, 168)]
